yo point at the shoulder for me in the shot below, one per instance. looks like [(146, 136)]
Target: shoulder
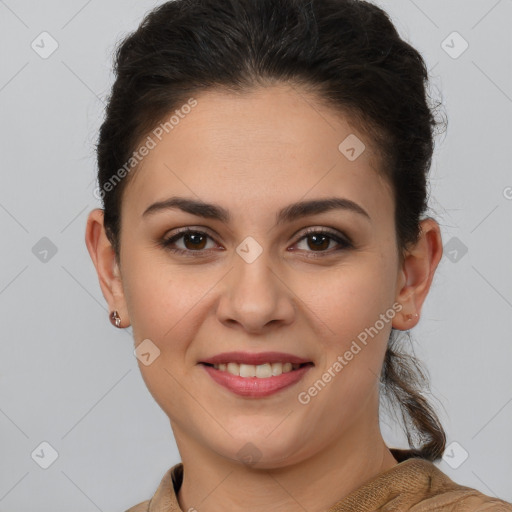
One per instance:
[(418, 484), (466, 500), (482, 503), (460, 498), (444, 494), (165, 497), (141, 507)]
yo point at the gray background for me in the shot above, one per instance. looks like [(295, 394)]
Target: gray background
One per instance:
[(69, 378)]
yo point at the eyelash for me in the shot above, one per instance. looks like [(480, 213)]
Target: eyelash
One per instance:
[(345, 242)]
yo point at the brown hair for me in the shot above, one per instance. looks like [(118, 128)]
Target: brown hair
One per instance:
[(347, 52)]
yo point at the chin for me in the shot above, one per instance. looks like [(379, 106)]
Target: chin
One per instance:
[(266, 452)]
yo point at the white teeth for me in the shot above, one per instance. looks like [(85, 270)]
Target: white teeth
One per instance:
[(261, 371), (247, 370)]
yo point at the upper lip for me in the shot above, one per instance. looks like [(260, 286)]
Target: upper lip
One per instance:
[(255, 358)]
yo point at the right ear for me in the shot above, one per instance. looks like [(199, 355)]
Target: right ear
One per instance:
[(107, 267)]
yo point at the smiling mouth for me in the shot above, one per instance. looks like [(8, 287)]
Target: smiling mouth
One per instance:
[(261, 371)]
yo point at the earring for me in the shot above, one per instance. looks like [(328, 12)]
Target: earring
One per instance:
[(115, 319), (410, 316)]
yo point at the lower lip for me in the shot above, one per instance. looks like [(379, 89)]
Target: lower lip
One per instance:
[(255, 386)]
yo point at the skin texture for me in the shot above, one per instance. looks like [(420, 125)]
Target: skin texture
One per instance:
[(254, 154)]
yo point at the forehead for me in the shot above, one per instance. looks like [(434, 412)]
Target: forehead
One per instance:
[(264, 148)]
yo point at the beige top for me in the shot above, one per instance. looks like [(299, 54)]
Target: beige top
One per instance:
[(414, 484)]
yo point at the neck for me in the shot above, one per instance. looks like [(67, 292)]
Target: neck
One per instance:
[(212, 483)]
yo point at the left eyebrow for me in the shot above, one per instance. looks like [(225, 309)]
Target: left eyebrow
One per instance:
[(287, 214)]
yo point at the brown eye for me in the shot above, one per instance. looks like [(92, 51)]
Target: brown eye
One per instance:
[(193, 241), (318, 241), (196, 240)]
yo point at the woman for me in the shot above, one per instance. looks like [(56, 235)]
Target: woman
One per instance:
[(263, 170)]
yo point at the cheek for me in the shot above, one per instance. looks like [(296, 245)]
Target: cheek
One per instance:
[(353, 313), (347, 300), (153, 297), (160, 302), (149, 305)]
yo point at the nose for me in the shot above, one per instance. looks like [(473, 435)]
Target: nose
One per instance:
[(255, 296)]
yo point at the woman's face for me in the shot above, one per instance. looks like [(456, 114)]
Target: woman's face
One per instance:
[(254, 282)]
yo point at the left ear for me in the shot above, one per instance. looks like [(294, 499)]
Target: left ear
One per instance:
[(415, 277)]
